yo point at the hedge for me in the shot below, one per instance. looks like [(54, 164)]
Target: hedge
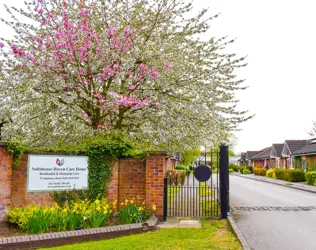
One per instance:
[(270, 173), (292, 175), (311, 178), (279, 173), (259, 171)]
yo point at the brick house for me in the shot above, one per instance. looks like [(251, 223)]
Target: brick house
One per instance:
[(305, 158), (290, 147), (249, 157), (275, 155), (262, 158)]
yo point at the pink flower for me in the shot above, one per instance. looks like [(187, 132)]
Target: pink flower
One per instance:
[(158, 104), (40, 11), (101, 126), (128, 31), (1, 45), (142, 67), (153, 73), (111, 32), (169, 65), (132, 87), (66, 85), (17, 51), (58, 35)]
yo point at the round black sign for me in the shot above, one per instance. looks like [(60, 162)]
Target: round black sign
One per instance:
[(202, 173)]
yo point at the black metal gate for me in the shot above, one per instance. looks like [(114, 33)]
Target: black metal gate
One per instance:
[(185, 196)]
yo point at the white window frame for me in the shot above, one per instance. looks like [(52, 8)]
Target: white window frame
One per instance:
[(291, 162)]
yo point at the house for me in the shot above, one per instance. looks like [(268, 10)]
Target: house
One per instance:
[(275, 155), (262, 158), (289, 148), (305, 158), (242, 160), (249, 156)]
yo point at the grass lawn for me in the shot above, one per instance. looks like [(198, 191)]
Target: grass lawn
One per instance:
[(213, 235)]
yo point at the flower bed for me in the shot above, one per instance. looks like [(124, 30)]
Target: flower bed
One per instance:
[(77, 215)]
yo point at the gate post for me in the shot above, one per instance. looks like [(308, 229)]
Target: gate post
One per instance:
[(165, 199), (224, 180)]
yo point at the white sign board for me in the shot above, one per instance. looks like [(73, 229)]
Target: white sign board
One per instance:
[(56, 172)]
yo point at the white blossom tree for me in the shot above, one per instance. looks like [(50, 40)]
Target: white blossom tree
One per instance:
[(135, 67)]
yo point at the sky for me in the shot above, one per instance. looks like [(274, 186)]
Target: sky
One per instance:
[(279, 39)]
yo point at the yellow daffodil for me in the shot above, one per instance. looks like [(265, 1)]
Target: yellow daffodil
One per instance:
[(153, 207)]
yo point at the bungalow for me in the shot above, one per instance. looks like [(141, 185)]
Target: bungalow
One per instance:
[(249, 156), (305, 158), (275, 155), (242, 160), (290, 147), (262, 158)]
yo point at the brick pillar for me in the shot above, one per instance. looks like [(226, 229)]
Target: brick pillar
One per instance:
[(155, 170), (5, 182)]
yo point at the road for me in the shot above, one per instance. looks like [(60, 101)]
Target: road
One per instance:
[(273, 217)]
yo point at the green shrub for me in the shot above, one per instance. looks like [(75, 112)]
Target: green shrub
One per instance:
[(249, 168), (292, 175), (311, 178), (270, 173), (231, 170), (234, 167), (295, 175), (246, 171), (279, 173), (181, 167), (259, 171)]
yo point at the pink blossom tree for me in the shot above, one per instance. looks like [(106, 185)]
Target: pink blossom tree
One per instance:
[(116, 66)]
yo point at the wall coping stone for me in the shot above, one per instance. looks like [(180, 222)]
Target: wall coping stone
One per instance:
[(75, 236)]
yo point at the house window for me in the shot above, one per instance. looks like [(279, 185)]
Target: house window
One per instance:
[(277, 162)]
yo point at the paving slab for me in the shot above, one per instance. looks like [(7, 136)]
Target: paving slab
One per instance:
[(190, 223), (180, 224)]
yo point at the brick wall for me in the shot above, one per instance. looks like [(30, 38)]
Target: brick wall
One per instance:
[(5, 182), (131, 178)]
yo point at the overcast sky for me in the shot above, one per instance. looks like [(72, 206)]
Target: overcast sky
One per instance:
[(280, 41)]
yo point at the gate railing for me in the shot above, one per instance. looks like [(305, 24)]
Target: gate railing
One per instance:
[(196, 199)]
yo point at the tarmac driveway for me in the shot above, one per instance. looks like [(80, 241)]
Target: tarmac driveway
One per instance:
[(273, 217)]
